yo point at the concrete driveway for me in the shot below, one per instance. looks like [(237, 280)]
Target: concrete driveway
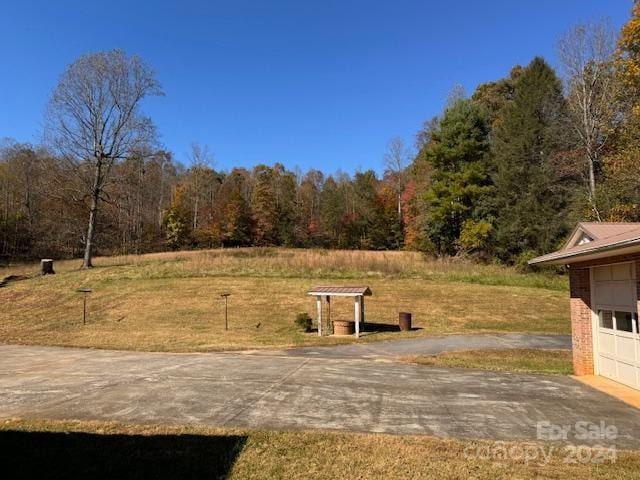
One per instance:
[(296, 391), (428, 346)]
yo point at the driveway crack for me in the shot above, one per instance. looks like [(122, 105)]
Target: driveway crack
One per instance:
[(266, 392)]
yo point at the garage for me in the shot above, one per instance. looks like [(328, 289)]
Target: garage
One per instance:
[(603, 260), (617, 342)]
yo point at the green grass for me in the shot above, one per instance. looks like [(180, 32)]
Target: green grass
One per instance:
[(171, 302), (515, 360), (63, 449)]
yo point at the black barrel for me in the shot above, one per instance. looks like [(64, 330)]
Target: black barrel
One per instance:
[(404, 320)]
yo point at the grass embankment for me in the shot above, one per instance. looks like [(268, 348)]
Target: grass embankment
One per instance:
[(58, 449), (557, 362), (170, 301)]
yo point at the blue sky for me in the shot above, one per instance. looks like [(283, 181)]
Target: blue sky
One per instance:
[(322, 84)]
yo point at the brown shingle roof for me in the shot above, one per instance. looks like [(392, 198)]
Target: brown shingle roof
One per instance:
[(340, 290), (606, 237), (598, 230)]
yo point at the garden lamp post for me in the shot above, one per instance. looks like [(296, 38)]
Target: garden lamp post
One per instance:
[(85, 291), (226, 298)]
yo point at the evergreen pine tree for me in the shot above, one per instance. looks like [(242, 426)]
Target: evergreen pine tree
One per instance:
[(457, 151), (531, 203)]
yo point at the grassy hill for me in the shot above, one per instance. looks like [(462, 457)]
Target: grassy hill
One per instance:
[(170, 301)]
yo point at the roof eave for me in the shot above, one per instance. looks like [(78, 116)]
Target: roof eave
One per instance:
[(330, 290), (330, 294), (621, 248)]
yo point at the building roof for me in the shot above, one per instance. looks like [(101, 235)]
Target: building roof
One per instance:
[(340, 291), (592, 240), (599, 230)]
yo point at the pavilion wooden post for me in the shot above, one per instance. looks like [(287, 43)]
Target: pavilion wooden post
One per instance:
[(362, 309), (357, 316), (319, 306)]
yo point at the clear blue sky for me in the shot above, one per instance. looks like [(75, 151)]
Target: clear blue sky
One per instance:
[(321, 84)]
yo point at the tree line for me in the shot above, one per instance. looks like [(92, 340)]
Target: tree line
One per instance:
[(155, 203), (502, 174)]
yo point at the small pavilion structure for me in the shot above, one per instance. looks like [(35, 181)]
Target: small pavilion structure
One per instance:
[(356, 292)]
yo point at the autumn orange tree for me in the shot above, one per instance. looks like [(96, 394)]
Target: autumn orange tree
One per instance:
[(622, 162), (628, 61)]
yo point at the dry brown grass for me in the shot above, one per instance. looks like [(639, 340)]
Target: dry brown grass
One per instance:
[(170, 301), (302, 455), (512, 359), (310, 263)]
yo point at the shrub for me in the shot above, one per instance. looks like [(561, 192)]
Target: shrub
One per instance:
[(521, 261), (475, 235), (303, 320), (175, 230)]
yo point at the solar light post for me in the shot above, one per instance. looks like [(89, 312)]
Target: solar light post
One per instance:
[(86, 291), (226, 298)]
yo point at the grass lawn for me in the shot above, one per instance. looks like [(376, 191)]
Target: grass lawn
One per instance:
[(170, 301), (514, 360), (59, 449)]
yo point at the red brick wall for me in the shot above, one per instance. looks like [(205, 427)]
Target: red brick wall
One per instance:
[(580, 289)]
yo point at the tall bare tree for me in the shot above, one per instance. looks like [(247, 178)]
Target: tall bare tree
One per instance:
[(94, 120), (456, 94), (587, 53), (201, 161), (396, 160)]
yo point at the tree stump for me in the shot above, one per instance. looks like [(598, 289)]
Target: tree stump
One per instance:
[(46, 267)]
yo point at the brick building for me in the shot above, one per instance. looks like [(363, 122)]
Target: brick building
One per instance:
[(604, 275)]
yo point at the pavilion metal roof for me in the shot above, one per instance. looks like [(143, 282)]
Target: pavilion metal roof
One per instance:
[(341, 290)]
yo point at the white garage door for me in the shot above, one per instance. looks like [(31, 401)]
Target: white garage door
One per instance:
[(617, 341)]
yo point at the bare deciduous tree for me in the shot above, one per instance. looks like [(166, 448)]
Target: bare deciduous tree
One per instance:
[(456, 94), (201, 160), (396, 160), (586, 52), (94, 120)]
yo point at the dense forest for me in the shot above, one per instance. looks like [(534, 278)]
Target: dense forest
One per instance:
[(502, 174)]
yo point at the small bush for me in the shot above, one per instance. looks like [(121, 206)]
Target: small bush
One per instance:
[(475, 235), (521, 261), (303, 320)]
